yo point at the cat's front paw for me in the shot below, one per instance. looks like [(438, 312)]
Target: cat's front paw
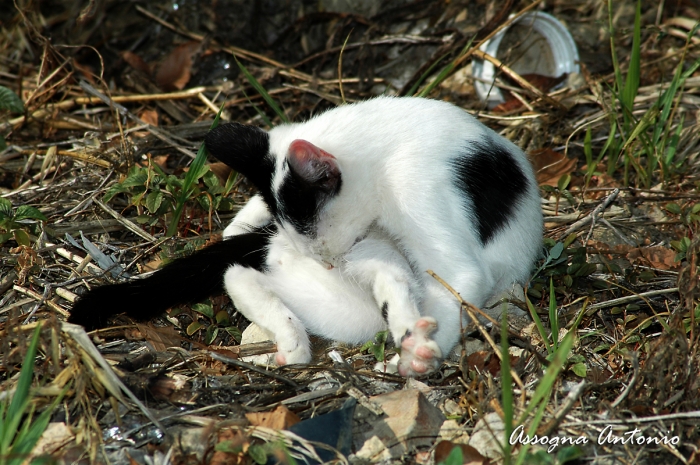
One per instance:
[(290, 354), (419, 354)]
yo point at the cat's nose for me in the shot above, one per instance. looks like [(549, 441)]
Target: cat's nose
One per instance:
[(328, 265)]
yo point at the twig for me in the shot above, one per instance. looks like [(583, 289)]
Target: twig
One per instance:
[(471, 310), (623, 395), (128, 224), (39, 298), (569, 402), (592, 216), (251, 367), (630, 298)]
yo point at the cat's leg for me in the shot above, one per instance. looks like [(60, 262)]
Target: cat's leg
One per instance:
[(251, 293), (254, 214), (377, 262)]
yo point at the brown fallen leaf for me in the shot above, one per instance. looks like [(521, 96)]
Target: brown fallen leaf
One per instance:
[(550, 166), (279, 418), (658, 257), (539, 81), (221, 170), (175, 70), (136, 62), (470, 456)]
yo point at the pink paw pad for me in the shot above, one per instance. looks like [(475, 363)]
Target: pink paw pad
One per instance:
[(419, 353)]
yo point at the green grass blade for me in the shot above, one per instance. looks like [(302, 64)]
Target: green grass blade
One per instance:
[(20, 399), (538, 323), (445, 71), (553, 315), (629, 91), (257, 109), (261, 90), (544, 388), (506, 387), (197, 169)]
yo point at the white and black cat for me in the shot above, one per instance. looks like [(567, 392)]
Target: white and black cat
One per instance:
[(354, 206)]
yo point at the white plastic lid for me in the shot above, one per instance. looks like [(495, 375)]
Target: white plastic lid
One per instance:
[(537, 44)]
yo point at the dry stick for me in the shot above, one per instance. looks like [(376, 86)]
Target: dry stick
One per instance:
[(84, 157), (38, 297), (78, 334), (569, 402), (159, 133), (70, 103), (519, 79), (239, 52), (591, 216), (623, 395), (128, 224), (248, 366), (471, 309), (630, 298)]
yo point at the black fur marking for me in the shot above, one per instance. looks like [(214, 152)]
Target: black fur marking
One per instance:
[(299, 202), (493, 182), (246, 150), (385, 310), (185, 280)]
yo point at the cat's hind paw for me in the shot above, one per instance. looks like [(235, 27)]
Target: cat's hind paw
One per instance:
[(419, 354), (299, 353)]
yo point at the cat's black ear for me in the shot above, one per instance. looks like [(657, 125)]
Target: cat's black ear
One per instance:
[(245, 149), (314, 166)]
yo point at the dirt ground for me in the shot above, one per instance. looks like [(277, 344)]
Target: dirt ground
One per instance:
[(112, 91)]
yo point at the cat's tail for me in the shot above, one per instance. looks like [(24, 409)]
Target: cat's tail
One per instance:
[(185, 280)]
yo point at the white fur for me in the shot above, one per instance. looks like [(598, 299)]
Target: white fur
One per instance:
[(398, 192)]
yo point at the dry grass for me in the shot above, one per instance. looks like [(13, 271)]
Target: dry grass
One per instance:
[(631, 252)]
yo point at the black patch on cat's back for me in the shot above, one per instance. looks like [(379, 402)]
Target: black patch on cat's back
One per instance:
[(493, 182), (299, 202)]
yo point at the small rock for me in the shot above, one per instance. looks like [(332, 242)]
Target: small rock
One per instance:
[(254, 334), (453, 432), (488, 436), (409, 421)]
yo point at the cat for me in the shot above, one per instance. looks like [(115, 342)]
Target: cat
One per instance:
[(353, 206)]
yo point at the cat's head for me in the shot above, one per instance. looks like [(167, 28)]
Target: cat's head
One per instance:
[(299, 181)]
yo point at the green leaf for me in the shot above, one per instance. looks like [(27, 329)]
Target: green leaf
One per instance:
[(26, 212), (210, 334), (569, 453), (674, 208), (154, 200), (258, 454), (22, 237), (455, 458), (228, 446), (5, 208), (234, 332), (10, 101), (564, 182), (193, 328), (580, 369), (205, 309), (222, 318)]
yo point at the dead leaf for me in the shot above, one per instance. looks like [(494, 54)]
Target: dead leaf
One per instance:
[(221, 170), (658, 257), (539, 81), (175, 70), (550, 166), (161, 338), (470, 456), (279, 418), (136, 62), (149, 117)]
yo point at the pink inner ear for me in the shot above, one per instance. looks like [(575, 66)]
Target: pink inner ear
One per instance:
[(313, 164), (304, 150)]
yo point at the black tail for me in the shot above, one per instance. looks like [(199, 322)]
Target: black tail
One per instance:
[(186, 280)]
